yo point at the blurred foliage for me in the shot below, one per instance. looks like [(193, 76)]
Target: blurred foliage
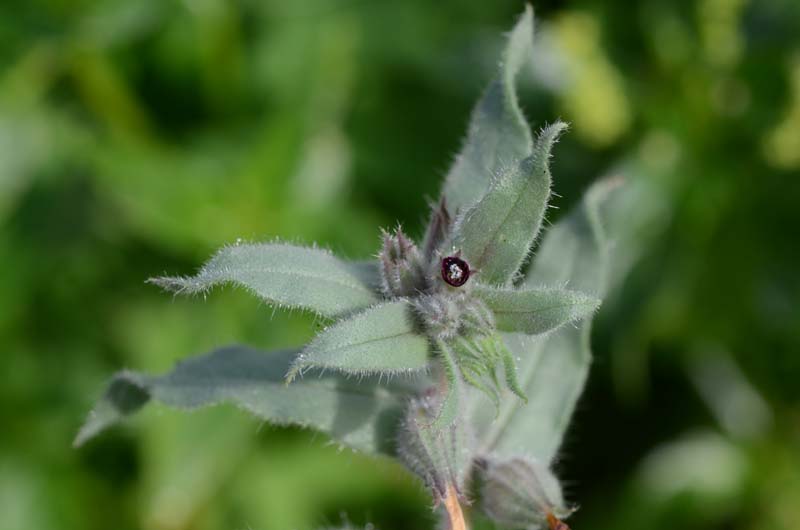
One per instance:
[(136, 137)]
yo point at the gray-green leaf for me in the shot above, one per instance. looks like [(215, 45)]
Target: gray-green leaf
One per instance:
[(535, 311), (442, 457), (286, 276), (553, 368), (382, 339), (496, 234), (498, 133), (451, 399), (362, 415)]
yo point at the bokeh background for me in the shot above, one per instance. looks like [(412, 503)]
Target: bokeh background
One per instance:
[(138, 136)]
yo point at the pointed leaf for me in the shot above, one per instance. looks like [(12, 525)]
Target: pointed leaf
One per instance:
[(286, 276), (438, 230), (553, 367), (449, 407), (383, 339), (535, 311), (361, 415), (498, 133), (442, 457), (496, 234), (510, 369)]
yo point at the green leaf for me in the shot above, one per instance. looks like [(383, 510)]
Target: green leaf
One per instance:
[(286, 276), (441, 456), (535, 311), (383, 339), (368, 272), (510, 369), (449, 407), (553, 367), (363, 415), (496, 234), (498, 133)]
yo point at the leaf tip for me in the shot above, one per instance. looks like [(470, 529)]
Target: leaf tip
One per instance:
[(294, 370), (592, 303), (550, 134), (173, 284)]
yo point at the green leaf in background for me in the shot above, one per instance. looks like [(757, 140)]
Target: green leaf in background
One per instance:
[(495, 235), (554, 367), (498, 133), (284, 275), (382, 339), (534, 311), (362, 416)]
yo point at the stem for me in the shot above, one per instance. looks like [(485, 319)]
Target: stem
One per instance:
[(454, 509), (555, 523)]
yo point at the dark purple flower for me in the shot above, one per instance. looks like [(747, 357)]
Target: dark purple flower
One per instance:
[(455, 271)]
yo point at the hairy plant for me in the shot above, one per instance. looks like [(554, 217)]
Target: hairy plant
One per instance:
[(468, 354)]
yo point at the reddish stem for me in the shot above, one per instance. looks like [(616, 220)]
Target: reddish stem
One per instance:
[(453, 508)]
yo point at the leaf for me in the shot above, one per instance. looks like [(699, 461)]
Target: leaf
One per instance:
[(438, 229), (498, 133), (495, 235), (368, 272), (286, 276), (510, 369), (553, 367), (449, 406), (535, 311), (363, 416), (383, 339), (442, 457)]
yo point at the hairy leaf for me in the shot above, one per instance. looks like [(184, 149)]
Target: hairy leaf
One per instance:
[(535, 311), (363, 416), (478, 359), (496, 234), (442, 457), (449, 407), (498, 133), (553, 367), (438, 230), (286, 276), (383, 339)]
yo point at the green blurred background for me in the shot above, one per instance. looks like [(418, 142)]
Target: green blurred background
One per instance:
[(136, 136)]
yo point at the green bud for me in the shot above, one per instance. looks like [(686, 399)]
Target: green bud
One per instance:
[(402, 273), (522, 493)]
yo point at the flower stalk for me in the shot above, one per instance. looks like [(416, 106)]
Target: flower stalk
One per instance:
[(453, 507)]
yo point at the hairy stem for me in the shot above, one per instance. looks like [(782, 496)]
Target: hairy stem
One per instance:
[(453, 508)]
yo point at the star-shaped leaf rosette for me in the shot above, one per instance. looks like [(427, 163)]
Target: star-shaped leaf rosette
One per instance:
[(462, 354)]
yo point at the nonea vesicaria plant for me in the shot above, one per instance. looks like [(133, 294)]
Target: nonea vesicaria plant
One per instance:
[(461, 354)]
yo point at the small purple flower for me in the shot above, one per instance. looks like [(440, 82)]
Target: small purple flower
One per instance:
[(455, 271)]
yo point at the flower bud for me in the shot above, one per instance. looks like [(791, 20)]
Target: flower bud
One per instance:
[(522, 493), (402, 272)]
